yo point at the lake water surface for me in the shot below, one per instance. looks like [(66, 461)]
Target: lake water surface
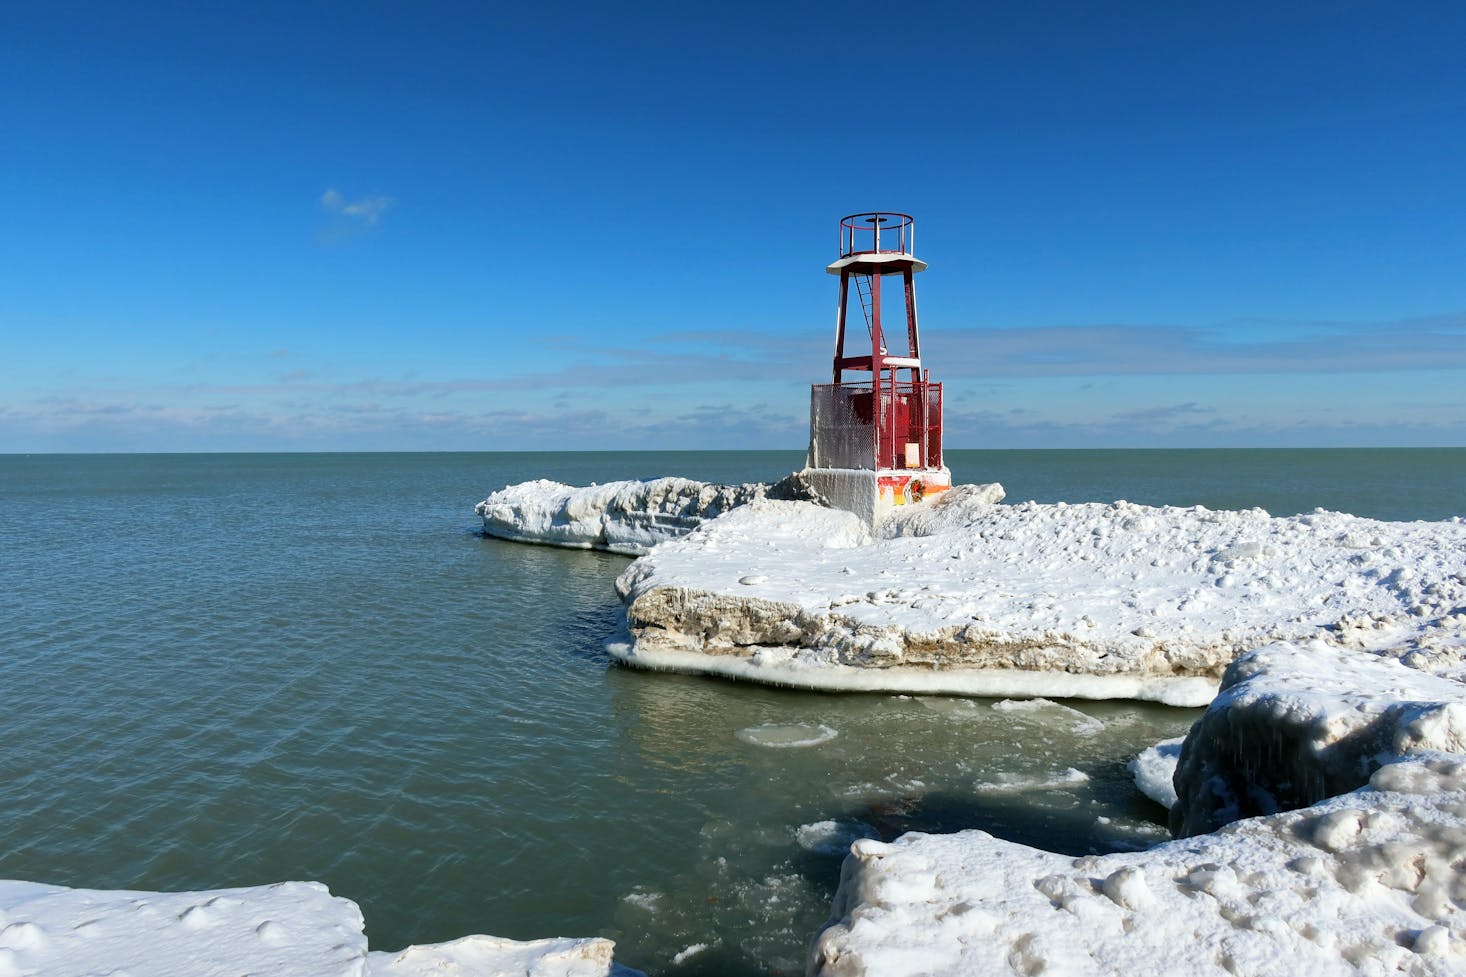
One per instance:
[(226, 670)]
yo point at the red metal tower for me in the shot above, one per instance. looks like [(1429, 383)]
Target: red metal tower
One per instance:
[(877, 421)]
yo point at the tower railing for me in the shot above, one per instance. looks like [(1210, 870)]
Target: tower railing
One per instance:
[(877, 232)]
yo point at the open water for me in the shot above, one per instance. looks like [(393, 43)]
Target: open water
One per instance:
[(223, 670)]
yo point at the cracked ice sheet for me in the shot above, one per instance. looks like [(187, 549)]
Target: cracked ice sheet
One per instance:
[(1361, 884), (1124, 594)]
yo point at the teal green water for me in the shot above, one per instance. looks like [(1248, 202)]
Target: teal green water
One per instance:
[(236, 669)]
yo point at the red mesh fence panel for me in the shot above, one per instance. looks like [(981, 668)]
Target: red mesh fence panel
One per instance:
[(853, 426)]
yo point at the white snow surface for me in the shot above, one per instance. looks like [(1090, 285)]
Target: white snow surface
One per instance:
[(1362, 884), (1093, 600), (291, 929), (294, 928)]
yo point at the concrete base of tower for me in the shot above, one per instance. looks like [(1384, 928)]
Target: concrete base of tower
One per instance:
[(873, 494)]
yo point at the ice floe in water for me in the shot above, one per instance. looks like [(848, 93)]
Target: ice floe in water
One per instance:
[(953, 708), (832, 837), (1015, 783), (691, 951), (1049, 712), (1130, 834), (787, 735), (1154, 769), (643, 899)]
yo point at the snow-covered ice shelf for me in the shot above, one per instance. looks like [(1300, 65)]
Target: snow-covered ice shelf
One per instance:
[(623, 517), (966, 596), (292, 929)]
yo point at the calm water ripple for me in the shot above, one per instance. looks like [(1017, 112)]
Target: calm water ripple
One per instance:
[(235, 669)]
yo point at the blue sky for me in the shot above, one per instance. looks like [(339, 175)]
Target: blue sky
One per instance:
[(391, 226)]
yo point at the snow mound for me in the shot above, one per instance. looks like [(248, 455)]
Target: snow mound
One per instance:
[(1099, 601), (1297, 723), (1365, 883), (291, 929), (623, 517), (961, 506)]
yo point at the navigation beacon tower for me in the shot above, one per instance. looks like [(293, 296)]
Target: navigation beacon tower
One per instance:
[(875, 439)]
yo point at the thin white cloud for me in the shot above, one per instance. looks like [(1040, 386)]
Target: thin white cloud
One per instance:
[(93, 424), (1170, 412), (1433, 343), (367, 210), (638, 395), (998, 429), (973, 360)]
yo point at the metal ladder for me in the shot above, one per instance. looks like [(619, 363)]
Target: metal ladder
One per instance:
[(862, 289)]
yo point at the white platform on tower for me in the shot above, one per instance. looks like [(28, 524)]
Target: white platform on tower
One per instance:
[(892, 257)]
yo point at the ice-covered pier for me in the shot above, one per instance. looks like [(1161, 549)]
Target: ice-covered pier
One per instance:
[(963, 595)]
